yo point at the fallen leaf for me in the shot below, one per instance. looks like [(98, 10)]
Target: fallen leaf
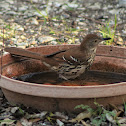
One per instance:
[(18, 123), (59, 115), (84, 123), (14, 109), (122, 120), (112, 106), (118, 113), (34, 120), (33, 116), (121, 108), (25, 122), (81, 116), (60, 123), (6, 121), (110, 118)]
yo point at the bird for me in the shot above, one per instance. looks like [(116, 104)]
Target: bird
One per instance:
[(70, 63)]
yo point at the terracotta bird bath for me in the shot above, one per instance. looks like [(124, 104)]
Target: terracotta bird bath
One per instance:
[(58, 97)]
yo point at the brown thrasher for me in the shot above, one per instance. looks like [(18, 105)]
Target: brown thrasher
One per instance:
[(69, 64)]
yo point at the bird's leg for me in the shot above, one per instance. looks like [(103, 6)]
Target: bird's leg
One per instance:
[(61, 76)]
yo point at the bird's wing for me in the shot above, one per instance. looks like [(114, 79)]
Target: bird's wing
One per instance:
[(72, 56), (55, 53)]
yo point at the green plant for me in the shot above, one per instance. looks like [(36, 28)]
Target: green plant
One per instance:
[(51, 31), (124, 107), (9, 31), (108, 31), (46, 17), (84, 107), (99, 115)]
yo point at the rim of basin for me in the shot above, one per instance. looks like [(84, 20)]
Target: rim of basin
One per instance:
[(58, 91)]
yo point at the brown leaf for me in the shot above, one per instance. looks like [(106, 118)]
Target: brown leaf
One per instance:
[(81, 116), (34, 120), (122, 120), (18, 123), (84, 123)]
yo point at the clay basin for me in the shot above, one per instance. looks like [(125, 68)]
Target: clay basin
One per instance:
[(63, 98)]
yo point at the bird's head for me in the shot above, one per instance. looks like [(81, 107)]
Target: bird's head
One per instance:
[(92, 41)]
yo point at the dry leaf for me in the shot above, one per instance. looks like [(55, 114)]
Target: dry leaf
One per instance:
[(122, 120), (32, 116), (60, 123), (110, 118), (6, 121), (34, 120), (81, 116), (121, 108), (25, 122), (84, 123), (59, 115), (18, 123), (118, 113)]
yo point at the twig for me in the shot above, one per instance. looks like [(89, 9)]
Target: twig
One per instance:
[(2, 53), (99, 22)]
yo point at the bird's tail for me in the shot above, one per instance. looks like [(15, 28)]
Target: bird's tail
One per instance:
[(23, 52)]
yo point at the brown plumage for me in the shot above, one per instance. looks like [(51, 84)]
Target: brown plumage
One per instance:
[(69, 63)]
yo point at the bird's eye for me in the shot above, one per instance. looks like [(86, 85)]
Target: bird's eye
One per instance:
[(95, 40)]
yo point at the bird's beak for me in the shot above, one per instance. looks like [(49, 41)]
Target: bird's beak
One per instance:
[(106, 38)]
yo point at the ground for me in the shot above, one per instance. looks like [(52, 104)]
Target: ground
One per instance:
[(26, 23)]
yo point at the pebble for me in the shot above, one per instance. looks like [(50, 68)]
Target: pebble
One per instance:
[(53, 42), (1, 43), (23, 8), (34, 21), (43, 39), (105, 8), (110, 7), (31, 31), (65, 15), (14, 109), (41, 14), (57, 4), (35, 1), (18, 28), (33, 42), (29, 14), (124, 31), (1, 12), (11, 13), (122, 3), (81, 9), (96, 6), (23, 37), (72, 5), (37, 14), (4, 5), (114, 11), (82, 23), (10, 1), (22, 44)]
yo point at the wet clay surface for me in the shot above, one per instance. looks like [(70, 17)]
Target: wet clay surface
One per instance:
[(87, 79)]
